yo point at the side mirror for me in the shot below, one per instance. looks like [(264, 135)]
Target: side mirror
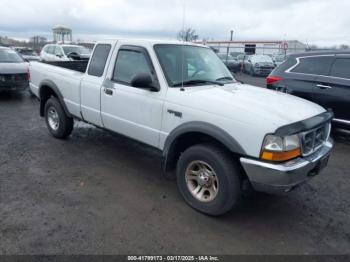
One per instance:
[(143, 81)]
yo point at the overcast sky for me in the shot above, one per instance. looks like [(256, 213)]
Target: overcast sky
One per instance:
[(321, 22)]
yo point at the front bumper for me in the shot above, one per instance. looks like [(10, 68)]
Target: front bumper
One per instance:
[(262, 71), (283, 177)]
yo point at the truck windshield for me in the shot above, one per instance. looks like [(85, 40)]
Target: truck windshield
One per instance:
[(10, 56), (192, 65)]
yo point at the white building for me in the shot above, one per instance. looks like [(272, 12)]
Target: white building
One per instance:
[(258, 47)]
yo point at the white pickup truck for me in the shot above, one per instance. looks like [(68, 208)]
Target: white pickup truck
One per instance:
[(217, 133)]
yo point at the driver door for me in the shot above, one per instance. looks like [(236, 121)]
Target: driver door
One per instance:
[(130, 111)]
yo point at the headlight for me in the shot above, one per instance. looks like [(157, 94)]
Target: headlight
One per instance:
[(257, 65), (280, 149)]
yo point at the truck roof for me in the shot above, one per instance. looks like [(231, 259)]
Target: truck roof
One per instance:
[(151, 41)]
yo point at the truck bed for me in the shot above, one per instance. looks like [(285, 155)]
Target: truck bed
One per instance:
[(66, 76), (79, 66)]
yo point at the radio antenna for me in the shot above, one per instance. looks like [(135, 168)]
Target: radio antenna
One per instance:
[(183, 42)]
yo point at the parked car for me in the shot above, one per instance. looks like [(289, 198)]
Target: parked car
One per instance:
[(231, 63), (28, 54), (258, 65), (322, 77), (236, 54), (13, 71), (218, 134), (279, 59), (55, 52)]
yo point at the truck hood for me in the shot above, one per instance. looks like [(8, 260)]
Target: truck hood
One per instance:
[(250, 104), (13, 68)]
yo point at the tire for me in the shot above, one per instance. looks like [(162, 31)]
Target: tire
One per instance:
[(59, 124), (226, 178), (251, 72)]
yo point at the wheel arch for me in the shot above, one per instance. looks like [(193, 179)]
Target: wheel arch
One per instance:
[(48, 89), (193, 133)]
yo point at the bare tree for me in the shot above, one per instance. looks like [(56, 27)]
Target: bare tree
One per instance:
[(344, 47), (188, 35)]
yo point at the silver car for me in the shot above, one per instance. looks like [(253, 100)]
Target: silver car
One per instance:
[(14, 74), (258, 65), (230, 62)]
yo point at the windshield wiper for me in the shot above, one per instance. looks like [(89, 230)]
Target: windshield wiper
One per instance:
[(197, 82), (228, 78), (225, 78)]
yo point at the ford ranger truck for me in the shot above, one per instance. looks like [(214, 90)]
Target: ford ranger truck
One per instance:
[(216, 133)]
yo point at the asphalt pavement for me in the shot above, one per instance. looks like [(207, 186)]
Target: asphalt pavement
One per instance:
[(100, 193)]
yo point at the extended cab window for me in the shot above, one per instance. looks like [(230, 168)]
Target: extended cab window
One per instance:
[(129, 64), (99, 59), (318, 65), (341, 68)]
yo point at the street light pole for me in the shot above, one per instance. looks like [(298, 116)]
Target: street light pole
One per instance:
[(228, 46)]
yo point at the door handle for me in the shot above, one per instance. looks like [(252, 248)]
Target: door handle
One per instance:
[(324, 86), (108, 91)]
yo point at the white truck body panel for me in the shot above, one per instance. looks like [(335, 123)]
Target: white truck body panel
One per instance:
[(68, 82), (245, 112)]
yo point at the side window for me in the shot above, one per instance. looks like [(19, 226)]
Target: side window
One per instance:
[(58, 50), (99, 59), (341, 68), (129, 64), (50, 49), (319, 65)]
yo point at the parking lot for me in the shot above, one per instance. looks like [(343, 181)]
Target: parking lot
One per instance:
[(99, 193)]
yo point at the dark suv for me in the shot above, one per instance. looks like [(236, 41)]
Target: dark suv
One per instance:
[(322, 77)]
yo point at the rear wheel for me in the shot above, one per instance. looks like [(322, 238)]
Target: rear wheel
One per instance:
[(208, 179), (57, 121)]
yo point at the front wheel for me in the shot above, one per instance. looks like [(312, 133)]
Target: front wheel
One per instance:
[(208, 179), (59, 124)]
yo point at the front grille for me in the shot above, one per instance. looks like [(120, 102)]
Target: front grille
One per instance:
[(315, 139)]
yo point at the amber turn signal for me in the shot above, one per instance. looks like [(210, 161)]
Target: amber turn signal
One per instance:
[(280, 156)]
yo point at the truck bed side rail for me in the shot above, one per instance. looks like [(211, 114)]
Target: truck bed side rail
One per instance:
[(79, 66)]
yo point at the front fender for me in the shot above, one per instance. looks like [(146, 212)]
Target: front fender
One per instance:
[(197, 127)]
